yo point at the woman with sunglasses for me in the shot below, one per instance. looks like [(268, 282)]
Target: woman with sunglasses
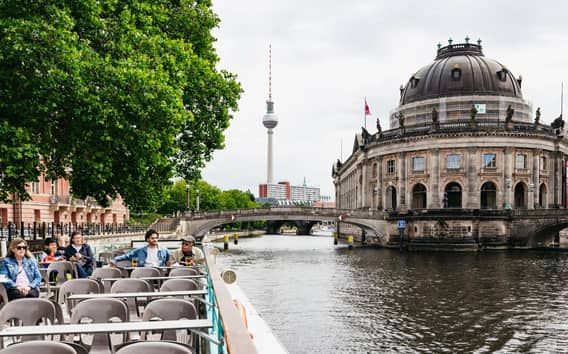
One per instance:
[(21, 271)]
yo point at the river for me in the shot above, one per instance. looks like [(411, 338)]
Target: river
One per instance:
[(321, 298)]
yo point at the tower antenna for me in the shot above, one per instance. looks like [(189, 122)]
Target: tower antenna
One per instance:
[(270, 72), (561, 99)]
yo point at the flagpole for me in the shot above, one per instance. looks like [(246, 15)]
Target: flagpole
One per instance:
[(365, 114)]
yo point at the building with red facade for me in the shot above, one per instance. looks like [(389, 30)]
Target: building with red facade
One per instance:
[(51, 202)]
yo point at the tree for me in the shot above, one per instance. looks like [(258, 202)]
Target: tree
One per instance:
[(116, 96)]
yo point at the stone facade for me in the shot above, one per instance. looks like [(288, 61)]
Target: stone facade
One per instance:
[(442, 153)]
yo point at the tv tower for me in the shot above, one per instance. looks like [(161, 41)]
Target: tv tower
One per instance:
[(270, 120)]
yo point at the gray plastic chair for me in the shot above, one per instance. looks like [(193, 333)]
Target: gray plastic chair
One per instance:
[(39, 346), (106, 272), (27, 312), (62, 268), (76, 286), (120, 266), (153, 348), (79, 348), (179, 284), (101, 310), (105, 257), (183, 271), (145, 272), (168, 310), (128, 285), (3, 296)]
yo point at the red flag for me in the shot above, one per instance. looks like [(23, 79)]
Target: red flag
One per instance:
[(367, 110)]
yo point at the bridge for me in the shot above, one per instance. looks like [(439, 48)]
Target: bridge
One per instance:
[(426, 228)]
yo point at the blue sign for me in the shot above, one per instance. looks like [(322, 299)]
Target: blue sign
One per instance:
[(402, 224)]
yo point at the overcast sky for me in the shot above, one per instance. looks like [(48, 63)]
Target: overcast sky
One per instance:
[(327, 55)]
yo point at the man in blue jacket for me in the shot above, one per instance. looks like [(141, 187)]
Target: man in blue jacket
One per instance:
[(150, 255)]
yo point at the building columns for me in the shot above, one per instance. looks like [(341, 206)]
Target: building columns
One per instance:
[(435, 186), (473, 196), (379, 186), (402, 181), (508, 180)]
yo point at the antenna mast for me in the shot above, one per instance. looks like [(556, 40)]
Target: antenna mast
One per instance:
[(561, 99), (270, 72)]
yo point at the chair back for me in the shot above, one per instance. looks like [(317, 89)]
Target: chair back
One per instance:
[(28, 312), (179, 285), (106, 272), (168, 310), (105, 257), (147, 347), (183, 271), (120, 266), (39, 346), (128, 285), (145, 272), (100, 310), (62, 268), (76, 286)]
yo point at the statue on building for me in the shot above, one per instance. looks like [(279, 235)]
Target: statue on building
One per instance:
[(558, 125), (509, 114), (379, 130), (473, 112), (400, 117), (537, 118), (434, 115)]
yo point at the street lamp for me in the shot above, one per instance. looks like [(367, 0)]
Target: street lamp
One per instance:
[(187, 196), (197, 201)]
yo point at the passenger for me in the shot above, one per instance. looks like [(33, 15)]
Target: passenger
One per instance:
[(80, 253), (21, 272), (188, 254), (150, 255), (62, 243), (50, 252)]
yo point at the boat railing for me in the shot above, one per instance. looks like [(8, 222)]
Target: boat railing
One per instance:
[(228, 326)]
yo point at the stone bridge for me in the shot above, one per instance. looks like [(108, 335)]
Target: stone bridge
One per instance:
[(428, 228), (373, 222)]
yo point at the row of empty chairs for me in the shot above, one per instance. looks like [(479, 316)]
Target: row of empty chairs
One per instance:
[(47, 347), (63, 309)]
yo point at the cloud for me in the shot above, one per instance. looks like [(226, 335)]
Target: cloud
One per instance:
[(329, 55)]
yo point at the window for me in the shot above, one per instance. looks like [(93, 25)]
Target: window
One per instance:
[(489, 161), (418, 164), (414, 82), (453, 161), (35, 187), (391, 167), (521, 162), (374, 172), (456, 74), (54, 187), (502, 74), (543, 163)]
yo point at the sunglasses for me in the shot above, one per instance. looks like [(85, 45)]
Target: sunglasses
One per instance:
[(186, 244), (19, 248)]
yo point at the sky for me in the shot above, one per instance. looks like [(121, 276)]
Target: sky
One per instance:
[(328, 55)]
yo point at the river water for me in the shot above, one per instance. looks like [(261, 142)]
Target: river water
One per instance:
[(321, 298)]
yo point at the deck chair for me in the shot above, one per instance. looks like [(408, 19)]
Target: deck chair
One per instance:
[(147, 272), (105, 272), (3, 296), (76, 286), (179, 284), (79, 348), (120, 266), (101, 310), (183, 271), (166, 310), (128, 285), (61, 272), (27, 312), (154, 347), (39, 346), (105, 257)]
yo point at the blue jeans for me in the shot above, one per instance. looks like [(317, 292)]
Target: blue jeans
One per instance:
[(84, 270)]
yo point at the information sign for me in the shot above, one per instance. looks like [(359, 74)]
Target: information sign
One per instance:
[(402, 224)]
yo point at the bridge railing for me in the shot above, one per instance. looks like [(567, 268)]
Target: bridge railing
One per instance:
[(327, 212)]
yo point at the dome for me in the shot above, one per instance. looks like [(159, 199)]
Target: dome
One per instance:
[(458, 70)]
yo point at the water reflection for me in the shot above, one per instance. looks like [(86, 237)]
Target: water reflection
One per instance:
[(319, 298)]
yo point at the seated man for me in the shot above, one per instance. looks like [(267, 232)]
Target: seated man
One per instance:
[(188, 254), (150, 255)]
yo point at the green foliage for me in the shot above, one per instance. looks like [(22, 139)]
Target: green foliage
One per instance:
[(143, 218), (116, 96)]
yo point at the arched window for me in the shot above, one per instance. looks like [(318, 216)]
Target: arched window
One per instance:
[(391, 197), (456, 74), (542, 196), (453, 196), (520, 196), (488, 196), (419, 197)]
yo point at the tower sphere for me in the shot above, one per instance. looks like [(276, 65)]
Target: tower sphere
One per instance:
[(270, 119)]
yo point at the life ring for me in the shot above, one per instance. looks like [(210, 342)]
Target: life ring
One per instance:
[(243, 312)]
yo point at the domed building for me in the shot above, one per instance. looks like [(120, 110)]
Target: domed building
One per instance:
[(462, 139)]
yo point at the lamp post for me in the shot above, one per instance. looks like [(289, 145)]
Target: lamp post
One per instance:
[(187, 196), (197, 201)]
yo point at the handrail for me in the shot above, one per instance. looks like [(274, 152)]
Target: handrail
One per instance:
[(237, 337)]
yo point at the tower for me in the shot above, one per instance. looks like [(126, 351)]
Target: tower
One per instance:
[(270, 120)]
